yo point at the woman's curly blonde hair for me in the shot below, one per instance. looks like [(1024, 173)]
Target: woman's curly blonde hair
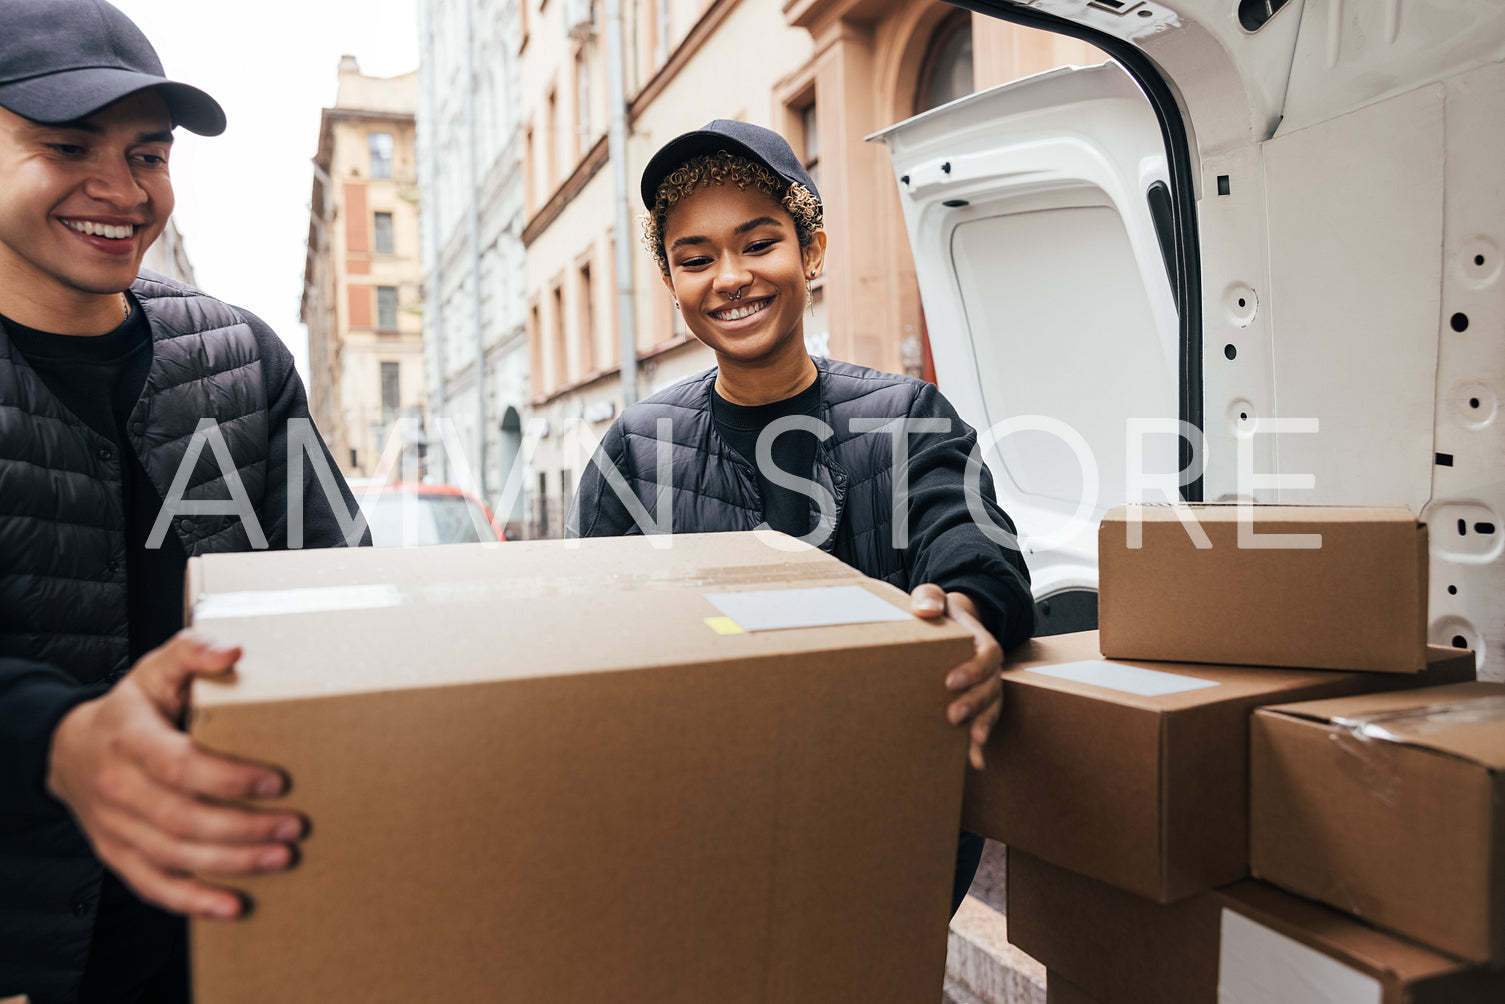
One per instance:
[(726, 168)]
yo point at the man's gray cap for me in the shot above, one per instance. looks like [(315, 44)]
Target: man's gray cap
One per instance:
[(64, 60)]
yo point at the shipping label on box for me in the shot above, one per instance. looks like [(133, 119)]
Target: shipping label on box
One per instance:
[(1136, 773), (1391, 807), (1312, 587), (567, 771)]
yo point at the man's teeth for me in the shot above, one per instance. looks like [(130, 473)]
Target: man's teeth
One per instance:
[(92, 229), (737, 313)]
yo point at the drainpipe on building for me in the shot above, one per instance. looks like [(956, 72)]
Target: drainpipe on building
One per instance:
[(433, 278), (475, 247), (616, 149)]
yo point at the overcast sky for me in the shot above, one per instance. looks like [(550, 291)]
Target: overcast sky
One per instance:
[(243, 196)]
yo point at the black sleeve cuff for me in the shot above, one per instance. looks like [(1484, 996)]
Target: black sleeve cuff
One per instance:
[(34, 698)]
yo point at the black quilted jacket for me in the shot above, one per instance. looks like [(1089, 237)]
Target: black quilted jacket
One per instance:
[(63, 630), (712, 488)]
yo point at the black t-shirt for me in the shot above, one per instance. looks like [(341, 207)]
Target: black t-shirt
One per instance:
[(139, 952), (784, 509)]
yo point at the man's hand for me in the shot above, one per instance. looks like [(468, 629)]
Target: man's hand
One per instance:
[(150, 800), (978, 676)]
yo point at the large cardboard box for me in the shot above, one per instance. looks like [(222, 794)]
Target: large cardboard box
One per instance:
[(1391, 807), (1316, 587), (1278, 949), (1134, 772), (1248, 943), (561, 772)]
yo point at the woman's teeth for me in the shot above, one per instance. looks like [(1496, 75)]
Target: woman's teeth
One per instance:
[(92, 229), (737, 313)]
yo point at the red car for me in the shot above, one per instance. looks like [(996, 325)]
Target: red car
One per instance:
[(407, 514)]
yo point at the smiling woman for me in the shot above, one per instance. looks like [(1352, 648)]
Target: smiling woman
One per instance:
[(739, 267), (773, 440)]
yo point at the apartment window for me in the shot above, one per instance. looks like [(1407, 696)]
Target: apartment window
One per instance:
[(534, 333), (584, 130), (386, 308), (382, 232), (543, 503), (550, 140), (380, 145), (390, 392), (946, 73), (810, 142), (561, 359), (530, 172), (587, 320)]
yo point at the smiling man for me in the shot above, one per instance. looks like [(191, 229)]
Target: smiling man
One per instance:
[(107, 373)]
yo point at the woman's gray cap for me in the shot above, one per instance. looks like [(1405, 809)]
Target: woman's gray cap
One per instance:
[(754, 142), (64, 60)]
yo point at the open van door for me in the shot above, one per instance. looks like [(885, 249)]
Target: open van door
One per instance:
[(1331, 331), (1039, 214)]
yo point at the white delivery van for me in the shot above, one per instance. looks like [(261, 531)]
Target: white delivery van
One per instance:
[(1277, 226)]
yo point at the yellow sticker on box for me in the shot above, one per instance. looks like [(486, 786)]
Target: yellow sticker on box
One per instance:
[(724, 625)]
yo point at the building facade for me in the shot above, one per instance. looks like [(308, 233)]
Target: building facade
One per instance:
[(824, 73), (169, 255), (470, 165), (362, 290)]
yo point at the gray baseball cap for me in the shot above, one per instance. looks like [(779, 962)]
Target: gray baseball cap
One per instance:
[(64, 60), (755, 142)]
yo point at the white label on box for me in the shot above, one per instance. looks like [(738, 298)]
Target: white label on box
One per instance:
[(1259, 966), (775, 609), (307, 600), (1129, 679)]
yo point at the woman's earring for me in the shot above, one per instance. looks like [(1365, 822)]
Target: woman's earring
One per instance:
[(676, 304)]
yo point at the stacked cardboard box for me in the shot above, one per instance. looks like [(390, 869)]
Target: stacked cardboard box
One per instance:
[(1121, 784), (605, 770), (1391, 807), (1248, 943)]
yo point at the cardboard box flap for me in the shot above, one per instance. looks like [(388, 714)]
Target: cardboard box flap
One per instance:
[(663, 611), (1465, 720), (1072, 664), (522, 566), (1231, 512)]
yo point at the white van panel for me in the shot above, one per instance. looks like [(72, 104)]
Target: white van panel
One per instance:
[(1072, 337), (1016, 314), (1350, 53), (1355, 224)]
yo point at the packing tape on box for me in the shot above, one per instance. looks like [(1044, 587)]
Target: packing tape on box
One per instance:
[(1358, 735), (1424, 720), (376, 596)]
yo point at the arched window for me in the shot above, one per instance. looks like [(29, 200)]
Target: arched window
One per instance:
[(946, 73)]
